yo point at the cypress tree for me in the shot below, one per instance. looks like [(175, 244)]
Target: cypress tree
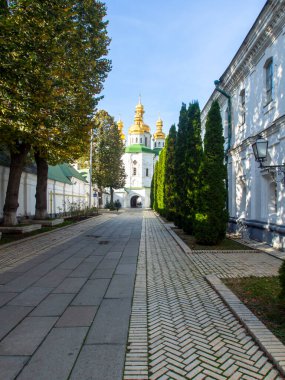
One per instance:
[(193, 156), (211, 220), (155, 186), (160, 179), (170, 174), (151, 192), (180, 165)]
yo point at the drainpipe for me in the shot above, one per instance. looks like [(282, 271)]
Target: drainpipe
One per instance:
[(228, 96)]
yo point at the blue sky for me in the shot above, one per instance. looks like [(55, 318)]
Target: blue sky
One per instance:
[(170, 51)]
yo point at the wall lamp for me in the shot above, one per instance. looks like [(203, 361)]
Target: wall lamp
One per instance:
[(260, 150)]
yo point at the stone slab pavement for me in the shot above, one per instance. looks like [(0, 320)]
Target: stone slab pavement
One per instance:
[(66, 301), (117, 298)]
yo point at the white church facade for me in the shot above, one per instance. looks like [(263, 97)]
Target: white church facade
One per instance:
[(140, 155), (251, 94)]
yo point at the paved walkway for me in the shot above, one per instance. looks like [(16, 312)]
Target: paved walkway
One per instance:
[(180, 328), (72, 312), (65, 312)]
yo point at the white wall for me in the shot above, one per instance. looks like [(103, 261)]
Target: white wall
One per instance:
[(60, 196)]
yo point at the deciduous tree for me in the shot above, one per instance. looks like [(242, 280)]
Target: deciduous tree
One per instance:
[(52, 62), (108, 168)]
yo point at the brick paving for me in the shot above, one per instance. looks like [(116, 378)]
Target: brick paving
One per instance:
[(116, 297), (191, 333)]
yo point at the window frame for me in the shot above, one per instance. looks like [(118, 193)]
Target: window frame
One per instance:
[(269, 80)]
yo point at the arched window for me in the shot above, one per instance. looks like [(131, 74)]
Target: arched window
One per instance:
[(159, 143), (134, 171), (268, 68), (146, 172), (140, 140), (155, 144), (136, 140), (163, 144), (145, 141)]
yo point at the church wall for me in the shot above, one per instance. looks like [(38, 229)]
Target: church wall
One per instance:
[(256, 197)]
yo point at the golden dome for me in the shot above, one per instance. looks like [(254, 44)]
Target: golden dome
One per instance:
[(139, 128), (158, 133), (120, 125)]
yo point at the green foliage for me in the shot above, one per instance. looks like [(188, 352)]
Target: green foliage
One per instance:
[(211, 218), (170, 174), (108, 169), (187, 158), (152, 192), (180, 165), (282, 281), (160, 180), (52, 63), (155, 205), (193, 157)]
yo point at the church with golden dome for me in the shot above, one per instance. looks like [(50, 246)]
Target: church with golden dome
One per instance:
[(141, 153)]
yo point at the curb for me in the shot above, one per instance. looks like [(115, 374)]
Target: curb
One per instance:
[(269, 344), (178, 240)]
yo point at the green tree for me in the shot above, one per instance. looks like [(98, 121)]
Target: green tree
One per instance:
[(52, 63), (160, 180), (170, 174), (108, 168), (155, 206), (193, 157), (180, 165), (211, 221)]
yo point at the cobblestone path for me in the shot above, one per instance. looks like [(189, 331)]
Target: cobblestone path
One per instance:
[(15, 254), (180, 328)]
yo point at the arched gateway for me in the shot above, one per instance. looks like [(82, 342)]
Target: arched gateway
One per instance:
[(135, 201)]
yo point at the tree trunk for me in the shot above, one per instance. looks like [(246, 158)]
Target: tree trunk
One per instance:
[(11, 201), (41, 190), (112, 194)]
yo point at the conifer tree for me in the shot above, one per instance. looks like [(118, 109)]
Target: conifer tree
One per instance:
[(211, 221), (180, 166), (160, 180), (151, 192), (170, 174), (193, 156), (155, 187)]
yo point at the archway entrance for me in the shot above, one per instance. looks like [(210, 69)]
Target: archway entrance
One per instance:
[(135, 201)]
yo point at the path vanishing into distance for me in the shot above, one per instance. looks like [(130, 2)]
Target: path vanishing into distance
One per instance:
[(115, 297)]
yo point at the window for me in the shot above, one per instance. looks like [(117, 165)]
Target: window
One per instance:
[(163, 144), (155, 144), (159, 143), (145, 141), (134, 171), (136, 140), (268, 80), (242, 106), (140, 140), (146, 172)]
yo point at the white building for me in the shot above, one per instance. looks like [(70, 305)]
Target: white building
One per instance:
[(255, 82), (139, 159), (66, 189)]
